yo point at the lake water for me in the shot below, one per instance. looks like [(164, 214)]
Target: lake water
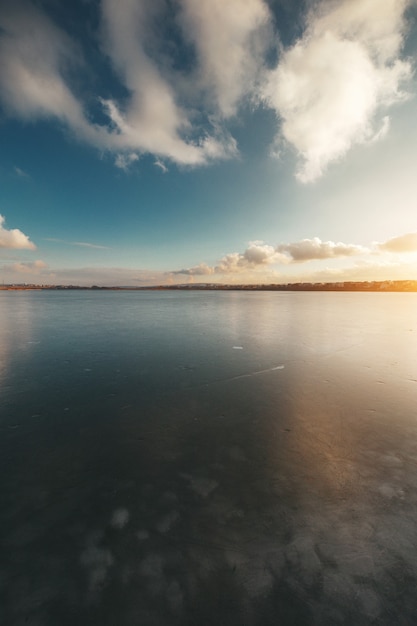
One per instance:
[(208, 458)]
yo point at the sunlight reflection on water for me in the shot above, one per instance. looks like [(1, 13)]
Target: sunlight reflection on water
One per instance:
[(158, 475)]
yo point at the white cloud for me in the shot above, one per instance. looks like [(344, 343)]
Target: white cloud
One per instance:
[(152, 120), (86, 244), (14, 238), (403, 243), (310, 249), (83, 244), (124, 161), (161, 165), (33, 56), (34, 267), (197, 270), (258, 255), (383, 130), (328, 88), (230, 39)]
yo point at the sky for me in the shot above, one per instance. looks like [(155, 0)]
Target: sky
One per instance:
[(151, 142)]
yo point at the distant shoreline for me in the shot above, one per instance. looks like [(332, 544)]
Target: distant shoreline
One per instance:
[(367, 286)]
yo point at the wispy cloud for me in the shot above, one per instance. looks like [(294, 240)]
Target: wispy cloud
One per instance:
[(106, 276), (33, 56), (86, 244), (14, 238), (365, 270), (152, 120), (231, 39), (124, 161), (161, 165), (82, 244), (41, 273), (34, 267), (20, 173)]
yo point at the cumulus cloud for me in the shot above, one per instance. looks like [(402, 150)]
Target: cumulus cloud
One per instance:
[(329, 86), (311, 249), (258, 255), (14, 238), (197, 270), (403, 243)]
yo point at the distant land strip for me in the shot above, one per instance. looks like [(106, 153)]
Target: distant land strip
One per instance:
[(384, 285)]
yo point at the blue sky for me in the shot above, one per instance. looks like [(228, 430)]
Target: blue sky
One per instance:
[(152, 142)]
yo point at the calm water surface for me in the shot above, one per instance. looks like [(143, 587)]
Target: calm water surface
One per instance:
[(208, 458)]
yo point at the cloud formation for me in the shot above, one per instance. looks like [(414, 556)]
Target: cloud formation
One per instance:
[(34, 57), (86, 244), (26, 268), (197, 270), (258, 255), (186, 69), (161, 165), (311, 249), (158, 117), (403, 243), (230, 39), (330, 85), (82, 244), (106, 276), (14, 238), (124, 161)]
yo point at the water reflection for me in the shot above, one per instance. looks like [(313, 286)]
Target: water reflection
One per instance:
[(179, 481), (16, 339)]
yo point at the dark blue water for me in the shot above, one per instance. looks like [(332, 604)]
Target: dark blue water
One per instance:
[(208, 458)]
